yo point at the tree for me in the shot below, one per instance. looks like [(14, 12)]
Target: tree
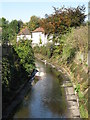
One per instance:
[(5, 35), (20, 25), (61, 20), (34, 23), (76, 15), (13, 29)]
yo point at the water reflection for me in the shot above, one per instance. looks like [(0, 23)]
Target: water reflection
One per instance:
[(46, 98)]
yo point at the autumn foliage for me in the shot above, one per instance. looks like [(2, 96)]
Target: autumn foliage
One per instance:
[(62, 19)]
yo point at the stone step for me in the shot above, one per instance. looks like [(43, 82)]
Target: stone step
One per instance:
[(70, 91), (72, 103), (75, 112), (71, 98)]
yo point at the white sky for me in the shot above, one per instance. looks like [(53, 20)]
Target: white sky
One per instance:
[(26, 8)]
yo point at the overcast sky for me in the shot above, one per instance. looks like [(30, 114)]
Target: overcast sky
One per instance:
[(24, 10)]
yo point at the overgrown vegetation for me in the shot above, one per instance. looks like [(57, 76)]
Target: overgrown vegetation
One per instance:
[(17, 61), (17, 66), (71, 54), (24, 50)]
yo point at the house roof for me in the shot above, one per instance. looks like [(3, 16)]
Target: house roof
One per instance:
[(24, 31), (40, 29)]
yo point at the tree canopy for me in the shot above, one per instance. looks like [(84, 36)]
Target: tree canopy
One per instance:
[(10, 29), (62, 19), (34, 23)]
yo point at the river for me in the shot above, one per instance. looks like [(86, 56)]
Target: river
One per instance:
[(46, 99)]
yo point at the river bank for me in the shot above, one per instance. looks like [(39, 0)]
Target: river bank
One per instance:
[(72, 56), (69, 85), (18, 97), (16, 72)]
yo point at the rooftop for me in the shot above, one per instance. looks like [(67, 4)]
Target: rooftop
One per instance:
[(24, 31), (40, 29)]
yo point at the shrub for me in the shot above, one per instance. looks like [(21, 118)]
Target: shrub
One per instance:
[(43, 50), (5, 73), (36, 49), (71, 55), (26, 55), (48, 53)]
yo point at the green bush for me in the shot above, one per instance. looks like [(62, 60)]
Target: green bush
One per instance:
[(48, 53), (50, 50), (71, 55), (36, 49), (58, 49), (6, 76), (26, 55), (43, 50)]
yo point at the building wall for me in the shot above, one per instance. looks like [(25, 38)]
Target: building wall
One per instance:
[(36, 38), (23, 37)]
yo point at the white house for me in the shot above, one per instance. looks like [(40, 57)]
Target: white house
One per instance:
[(24, 34), (37, 36)]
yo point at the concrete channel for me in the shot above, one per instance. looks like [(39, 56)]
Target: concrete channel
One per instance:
[(71, 96)]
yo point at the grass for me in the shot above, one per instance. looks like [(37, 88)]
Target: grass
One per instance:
[(83, 111)]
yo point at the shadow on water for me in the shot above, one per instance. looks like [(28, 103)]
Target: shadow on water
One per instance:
[(46, 99)]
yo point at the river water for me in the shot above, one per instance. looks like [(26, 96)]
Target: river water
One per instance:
[(46, 99)]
